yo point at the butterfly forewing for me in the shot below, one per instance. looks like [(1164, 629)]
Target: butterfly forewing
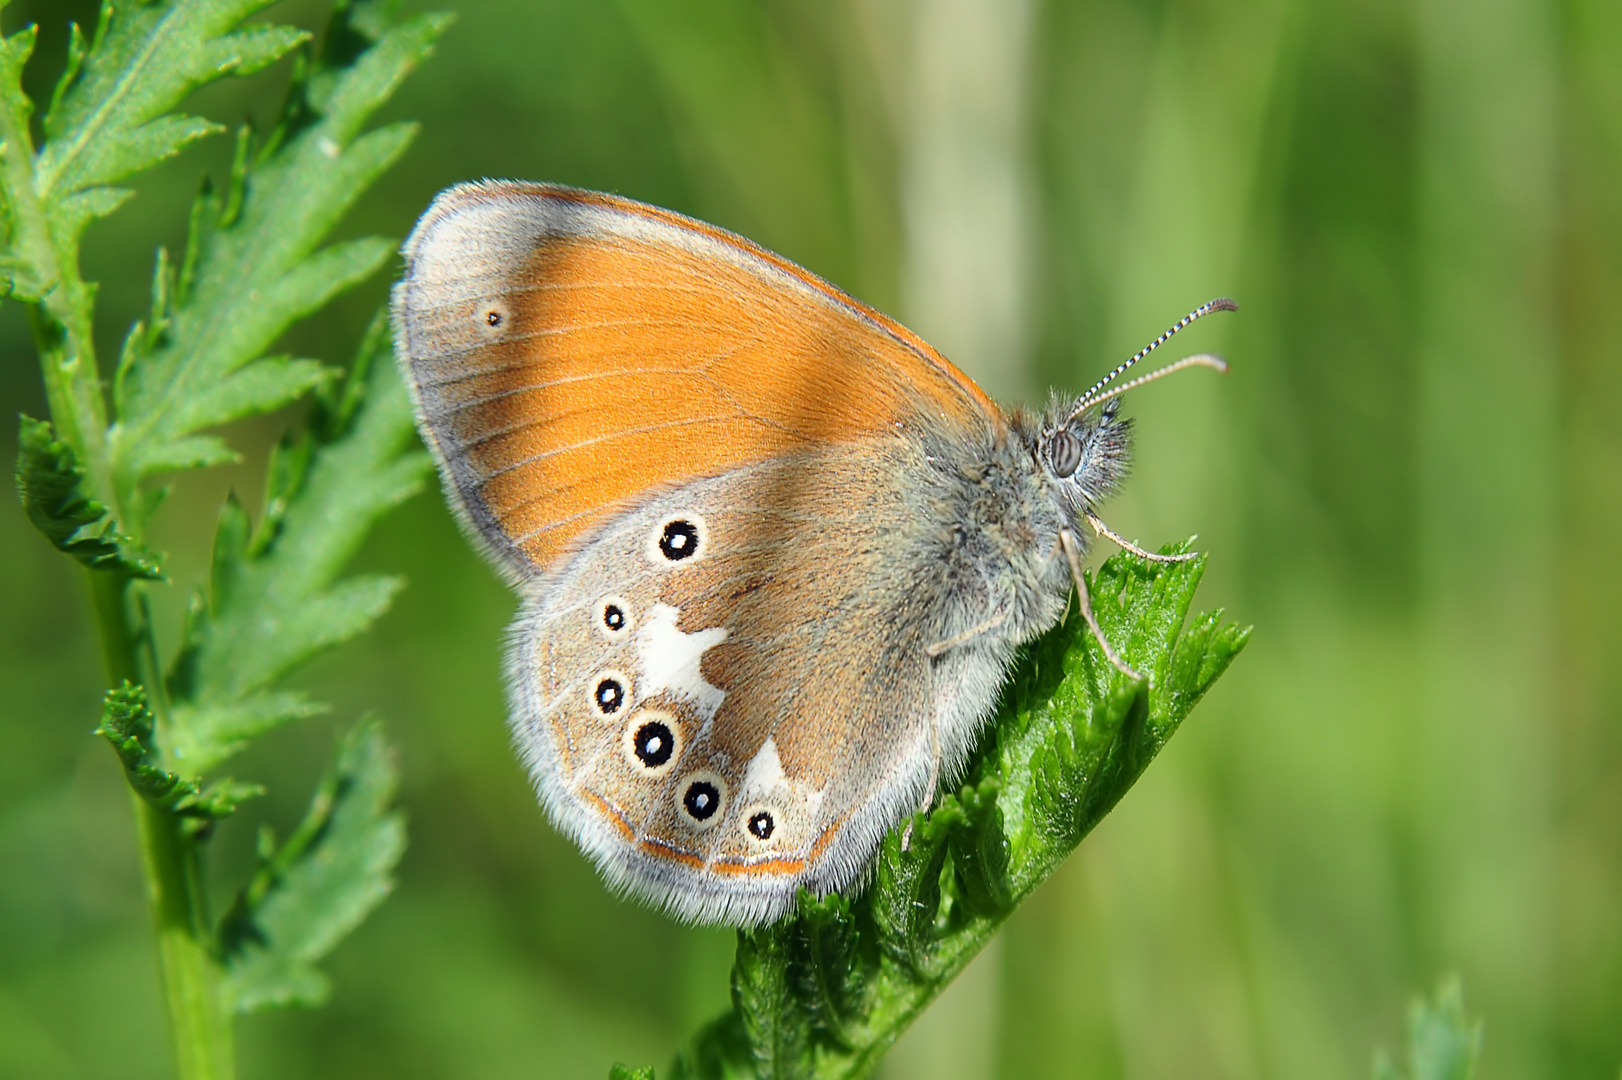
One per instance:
[(570, 351)]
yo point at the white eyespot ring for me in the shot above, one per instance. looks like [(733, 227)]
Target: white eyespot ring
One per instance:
[(612, 618), (609, 693), (762, 825), (701, 799), (652, 742), (677, 540)]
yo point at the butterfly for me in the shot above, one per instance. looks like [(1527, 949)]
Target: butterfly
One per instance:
[(775, 553)]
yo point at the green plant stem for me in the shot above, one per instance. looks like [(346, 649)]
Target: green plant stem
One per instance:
[(120, 640), (60, 320), (198, 1018), (171, 856), (60, 317)]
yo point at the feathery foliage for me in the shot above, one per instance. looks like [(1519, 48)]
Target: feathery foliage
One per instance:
[(51, 487), (128, 724), (273, 601), (319, 885), (256, 261)]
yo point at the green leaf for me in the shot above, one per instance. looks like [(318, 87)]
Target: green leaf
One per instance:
[(1443, 1042), (318, 886), (625, 1072), (826, 991), (19, 231), (275, 598), (254, 263), (763, 995), (127, 723), (111, 115), (51, 486)]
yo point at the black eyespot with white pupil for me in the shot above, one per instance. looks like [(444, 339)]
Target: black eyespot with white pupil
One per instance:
[(701, 800), (1064, 453), (614, 617), (653, 744), (679, 540), (492, 318), (760, 825), (609, 695)]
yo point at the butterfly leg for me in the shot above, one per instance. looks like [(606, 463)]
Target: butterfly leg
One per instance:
[(934, 778), (1067, 540), (966, 636), (1126, 545)]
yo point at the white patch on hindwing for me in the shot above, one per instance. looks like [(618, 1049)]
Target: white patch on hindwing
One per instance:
[(765, 770), (670, 660)]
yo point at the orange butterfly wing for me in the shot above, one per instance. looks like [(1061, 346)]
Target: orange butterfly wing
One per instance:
[(571, 351)]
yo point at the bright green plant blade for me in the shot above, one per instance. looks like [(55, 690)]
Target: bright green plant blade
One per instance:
[(1443, 1041), (127, 723), (318, 886), (254, 262), (825, 992), (276, 597), (111, 116), (51, 487), (621, 1072)]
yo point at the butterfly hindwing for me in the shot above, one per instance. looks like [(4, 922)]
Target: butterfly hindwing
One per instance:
[(781, 664)]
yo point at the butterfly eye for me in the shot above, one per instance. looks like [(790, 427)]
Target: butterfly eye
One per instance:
[(612, 617), (702, 796), (761, 825), (608, 692), (678, 539), (1064, 453), (653, 742)]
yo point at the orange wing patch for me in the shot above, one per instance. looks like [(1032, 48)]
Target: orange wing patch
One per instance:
[(570, 352)]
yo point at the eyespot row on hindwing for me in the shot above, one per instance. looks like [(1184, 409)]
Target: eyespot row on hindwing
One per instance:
[(651, 739)]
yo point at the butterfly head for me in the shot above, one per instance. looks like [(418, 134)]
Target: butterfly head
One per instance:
[(1084, 454), (1083, 446)]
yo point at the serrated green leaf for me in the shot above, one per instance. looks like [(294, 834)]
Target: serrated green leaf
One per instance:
[(231, 725), (318, 886), (262, 386), (765, 999), (51, 487), (22, 231), (830, 970), (128, 724), (625, 1072), (192, 452), (275, 595), (254, 264), (1443, 1041), (824, 992), (114, 117)]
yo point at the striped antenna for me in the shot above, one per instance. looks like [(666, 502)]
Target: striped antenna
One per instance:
[(1090, 398)]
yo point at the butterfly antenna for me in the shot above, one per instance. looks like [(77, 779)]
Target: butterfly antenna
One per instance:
[(1092, 397), (1215, 363)]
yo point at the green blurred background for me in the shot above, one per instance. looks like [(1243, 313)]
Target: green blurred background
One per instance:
[(1411, 482)]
